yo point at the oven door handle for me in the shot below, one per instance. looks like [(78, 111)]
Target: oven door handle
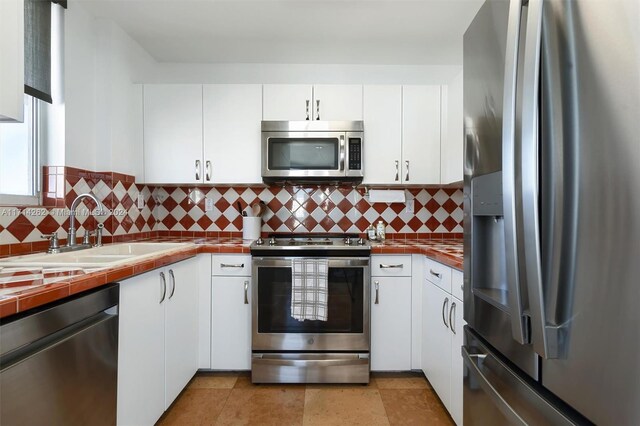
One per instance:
[(347, 360)]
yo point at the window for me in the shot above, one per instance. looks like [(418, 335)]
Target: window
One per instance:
[(19, 158)]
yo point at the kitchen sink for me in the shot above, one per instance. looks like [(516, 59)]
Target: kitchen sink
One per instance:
[(105, 256)]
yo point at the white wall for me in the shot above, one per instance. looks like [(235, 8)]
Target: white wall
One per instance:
[(302, 73), (80, 87), (103, 105), (120, 62)]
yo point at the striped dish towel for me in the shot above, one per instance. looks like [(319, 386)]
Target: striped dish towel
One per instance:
[(309, 292)]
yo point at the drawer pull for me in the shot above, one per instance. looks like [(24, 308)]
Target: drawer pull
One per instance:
[(435, 274), (384, 266), (232, 265)]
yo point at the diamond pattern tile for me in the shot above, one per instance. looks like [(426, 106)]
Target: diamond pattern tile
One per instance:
[(289, 209)]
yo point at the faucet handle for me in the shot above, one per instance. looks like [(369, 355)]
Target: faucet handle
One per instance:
[(53, 240), (87, 234)]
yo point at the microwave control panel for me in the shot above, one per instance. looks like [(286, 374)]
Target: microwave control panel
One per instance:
[(355, 154)]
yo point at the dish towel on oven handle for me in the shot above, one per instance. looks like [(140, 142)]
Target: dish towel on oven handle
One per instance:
[(309, 293)]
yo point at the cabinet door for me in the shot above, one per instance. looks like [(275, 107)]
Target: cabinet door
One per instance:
[(231, 323), (173, 133), (141, 359), (383, 134), (337, 102), (421, 135), (286, 101), (452, 132), (436, 340), (232, 114), (12, 64), (390, 323), (181, 327), (457, 369), (204, 311)]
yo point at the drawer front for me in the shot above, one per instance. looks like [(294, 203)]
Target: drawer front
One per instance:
[(438, 274), (232, 265), (391, 266), (457, 284)]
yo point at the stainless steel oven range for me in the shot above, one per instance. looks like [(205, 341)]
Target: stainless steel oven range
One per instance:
[(287, 350)]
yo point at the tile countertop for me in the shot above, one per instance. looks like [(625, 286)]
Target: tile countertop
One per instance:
[(23, 288)]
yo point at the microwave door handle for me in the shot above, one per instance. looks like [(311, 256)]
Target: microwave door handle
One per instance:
[(342, 153)]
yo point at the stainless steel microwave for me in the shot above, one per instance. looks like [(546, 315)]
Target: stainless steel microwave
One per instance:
[(312, 151)]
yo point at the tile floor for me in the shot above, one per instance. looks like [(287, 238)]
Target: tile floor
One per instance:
[(231, 399)]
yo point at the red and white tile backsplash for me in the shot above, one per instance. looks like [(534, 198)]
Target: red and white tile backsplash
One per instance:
[(308, 209), (288, 209)]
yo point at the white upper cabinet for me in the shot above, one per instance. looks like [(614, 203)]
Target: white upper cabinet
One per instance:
[(383, 134), (11, 60), (173, 133), (287, 102), (306, 102), (337, 102), (232, 114), (452, 131), (421, 135)]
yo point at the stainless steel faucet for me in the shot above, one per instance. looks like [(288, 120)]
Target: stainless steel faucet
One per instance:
[(100, 210)]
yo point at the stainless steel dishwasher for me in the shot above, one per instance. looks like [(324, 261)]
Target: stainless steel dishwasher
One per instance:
[(59, 363)]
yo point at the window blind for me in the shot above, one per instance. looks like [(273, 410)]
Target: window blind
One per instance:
[(37, 49)]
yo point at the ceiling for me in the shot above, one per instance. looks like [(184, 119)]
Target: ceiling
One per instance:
[(300, 31)]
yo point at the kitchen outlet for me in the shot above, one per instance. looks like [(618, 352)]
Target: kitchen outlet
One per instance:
[(208, 204), (140, 200), (410, 206)]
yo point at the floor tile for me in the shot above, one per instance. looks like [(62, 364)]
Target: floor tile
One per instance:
[(414, 407), (401, 383), (244, 382), (214, 381), (196, 407), (258, 405), (331, 406)]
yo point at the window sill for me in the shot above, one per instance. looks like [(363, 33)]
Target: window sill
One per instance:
[(19, 200)]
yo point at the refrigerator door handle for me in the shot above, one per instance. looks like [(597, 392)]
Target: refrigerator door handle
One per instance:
[(510, 175), (474, 363), (540, 334)]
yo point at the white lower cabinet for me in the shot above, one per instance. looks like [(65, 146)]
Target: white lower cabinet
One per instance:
[(158, 340), (391, 313), (442, 323), (231, 313)]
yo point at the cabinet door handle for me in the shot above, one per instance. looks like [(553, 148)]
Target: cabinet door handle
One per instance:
[(163, 281), (385, 266), (444, 308), (435, 274), (317, 109), (307, 109), (197, 169), (452, 326), (207, 167), (406, 164), (377, 284), (397, 171), (246, 290), (173, 283), (232, 265)]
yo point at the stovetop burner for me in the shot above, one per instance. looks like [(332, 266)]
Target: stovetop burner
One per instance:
[(310, 244)]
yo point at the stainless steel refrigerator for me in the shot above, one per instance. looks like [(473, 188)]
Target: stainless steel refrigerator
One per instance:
[(552, 205)]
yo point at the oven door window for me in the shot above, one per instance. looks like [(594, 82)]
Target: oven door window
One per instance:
[(313, 153), (345, 303)]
